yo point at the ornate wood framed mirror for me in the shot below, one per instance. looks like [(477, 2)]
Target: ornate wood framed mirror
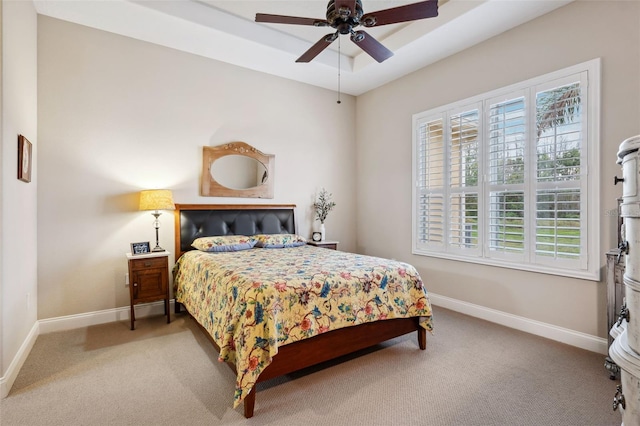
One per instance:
[(236, 169)]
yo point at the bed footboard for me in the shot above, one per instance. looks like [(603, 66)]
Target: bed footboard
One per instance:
[(327, 346)]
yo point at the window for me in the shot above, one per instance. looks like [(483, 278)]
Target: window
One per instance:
[(510, 178)]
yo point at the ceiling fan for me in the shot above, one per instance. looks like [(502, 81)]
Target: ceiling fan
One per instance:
[(345, 15)]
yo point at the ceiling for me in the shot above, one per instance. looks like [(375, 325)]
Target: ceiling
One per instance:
[(226, 31)]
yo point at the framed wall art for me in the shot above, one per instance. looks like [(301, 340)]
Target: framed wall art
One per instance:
[(24, 159)]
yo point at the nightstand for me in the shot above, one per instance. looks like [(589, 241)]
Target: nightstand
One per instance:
[(333, 245), (149, 280)]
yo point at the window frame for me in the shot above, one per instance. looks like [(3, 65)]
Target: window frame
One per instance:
[(587, 266)]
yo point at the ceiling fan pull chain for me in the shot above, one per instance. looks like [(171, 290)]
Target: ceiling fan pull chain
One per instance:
[(339, 54)]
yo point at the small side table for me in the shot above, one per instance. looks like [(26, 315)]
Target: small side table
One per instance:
[(333, 245), (149, 280)]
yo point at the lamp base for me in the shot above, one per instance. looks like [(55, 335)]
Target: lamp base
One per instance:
[(156, 223)]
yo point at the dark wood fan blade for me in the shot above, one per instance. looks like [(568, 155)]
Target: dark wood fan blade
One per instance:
[(348, 4), (410, 12), (372, 46), (281, 19), (315, 50)]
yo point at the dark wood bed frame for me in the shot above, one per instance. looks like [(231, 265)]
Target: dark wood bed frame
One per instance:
[(308, 352)]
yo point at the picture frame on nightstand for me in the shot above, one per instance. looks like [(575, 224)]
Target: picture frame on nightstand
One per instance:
[(140, 248)]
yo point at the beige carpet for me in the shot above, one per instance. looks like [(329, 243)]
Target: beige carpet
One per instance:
[(472, 373)]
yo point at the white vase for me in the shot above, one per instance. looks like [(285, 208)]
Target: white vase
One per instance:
[(322, 232)]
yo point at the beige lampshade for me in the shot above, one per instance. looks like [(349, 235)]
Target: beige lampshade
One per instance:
[(156, 199)]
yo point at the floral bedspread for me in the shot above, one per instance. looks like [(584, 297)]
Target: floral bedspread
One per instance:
[(255, 300)]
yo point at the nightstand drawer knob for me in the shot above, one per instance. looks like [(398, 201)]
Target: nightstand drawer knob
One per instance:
[(147, 264), (135, 284)]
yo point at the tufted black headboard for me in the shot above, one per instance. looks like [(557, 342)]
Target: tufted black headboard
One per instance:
[(206, 220)]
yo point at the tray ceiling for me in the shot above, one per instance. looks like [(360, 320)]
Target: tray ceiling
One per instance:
[(226, 31)]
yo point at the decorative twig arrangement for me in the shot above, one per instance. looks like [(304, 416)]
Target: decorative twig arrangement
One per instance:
[(323, 205)]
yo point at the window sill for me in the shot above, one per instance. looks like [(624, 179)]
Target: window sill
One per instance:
[(541, 269)]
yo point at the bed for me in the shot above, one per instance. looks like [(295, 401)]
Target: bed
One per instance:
[(271, 311)]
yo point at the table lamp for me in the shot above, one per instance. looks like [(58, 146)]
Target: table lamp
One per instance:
[(156, 199)]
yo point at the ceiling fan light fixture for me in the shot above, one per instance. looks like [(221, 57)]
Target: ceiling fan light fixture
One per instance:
[(345, 28), (345, 15)]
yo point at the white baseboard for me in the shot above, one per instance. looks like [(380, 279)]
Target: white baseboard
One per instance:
[(70, 322), (559, 334), (87, 319), (553, 332), (6, 381)]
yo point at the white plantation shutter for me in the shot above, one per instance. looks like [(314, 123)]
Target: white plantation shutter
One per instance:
[(431, 222), (430, 183), (558, 227), (506, 223), (463, 180), (506, 170), (502, 178), (560, 172)]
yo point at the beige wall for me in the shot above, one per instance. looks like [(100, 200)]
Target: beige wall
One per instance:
[(118, 115), (581, 31), (18, 261)]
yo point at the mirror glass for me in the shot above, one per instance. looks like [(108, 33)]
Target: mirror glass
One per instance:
[(238, 172), (236, 169)]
